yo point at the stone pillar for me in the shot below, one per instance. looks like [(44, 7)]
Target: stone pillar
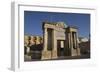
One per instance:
[(78, 49), (45, 53), (41, 40), (32, 41), (71, 43), (69, 37), (45, 39), (28, 50), (68, 44), (54, 45), (74, 47), (75, 40), (37, 40), (75, 50), (26, 40)]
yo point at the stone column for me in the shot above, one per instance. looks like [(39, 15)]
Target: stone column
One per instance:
[(74, 48), (54, 44), (77, 44), (68, 44), (45, 42), (45, 39), (45, 53), (69, 37), (71, 43), (28, 50), (75, 40)]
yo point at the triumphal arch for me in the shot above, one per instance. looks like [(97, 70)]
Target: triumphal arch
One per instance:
[(59, 40)]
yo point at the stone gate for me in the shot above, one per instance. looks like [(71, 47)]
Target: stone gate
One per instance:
[(59, 40)]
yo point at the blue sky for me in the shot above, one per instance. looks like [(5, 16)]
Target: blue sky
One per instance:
[(33, 21)]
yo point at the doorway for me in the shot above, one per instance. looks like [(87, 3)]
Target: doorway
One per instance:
[(60, 48)]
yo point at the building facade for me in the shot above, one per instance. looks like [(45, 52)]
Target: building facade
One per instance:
[(59, 40)]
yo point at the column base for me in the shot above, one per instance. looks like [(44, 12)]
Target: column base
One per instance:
[(54, 54), (75, 52), (78, 51), (46, 55)]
